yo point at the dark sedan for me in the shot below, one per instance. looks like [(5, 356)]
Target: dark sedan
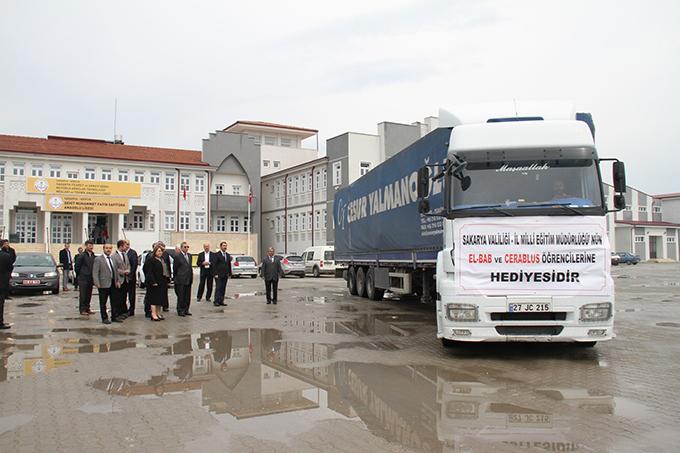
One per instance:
[(35, 272)]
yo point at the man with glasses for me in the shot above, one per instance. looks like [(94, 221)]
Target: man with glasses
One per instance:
[(184, 277), (221, 272)]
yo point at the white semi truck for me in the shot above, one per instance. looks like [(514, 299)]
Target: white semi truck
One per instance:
[(501, 221)]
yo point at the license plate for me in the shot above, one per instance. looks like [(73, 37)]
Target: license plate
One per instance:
[(528, 307), (529, 420), (31, 282)]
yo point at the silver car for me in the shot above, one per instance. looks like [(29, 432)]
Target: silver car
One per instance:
[(293, 265), (35, 272), (243, 266)]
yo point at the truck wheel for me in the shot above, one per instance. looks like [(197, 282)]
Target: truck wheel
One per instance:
[(352, 281), (316, 272), (448, 343), (361, 282), (372, 292), (585, 344)]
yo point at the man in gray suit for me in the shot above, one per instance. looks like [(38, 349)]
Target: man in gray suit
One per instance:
[(105, 279), (271, 270), (121, 264)]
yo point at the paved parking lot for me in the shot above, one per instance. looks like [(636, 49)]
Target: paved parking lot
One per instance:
[(323, 371)]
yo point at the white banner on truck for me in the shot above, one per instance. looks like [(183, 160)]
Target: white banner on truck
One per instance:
[(532, 255)]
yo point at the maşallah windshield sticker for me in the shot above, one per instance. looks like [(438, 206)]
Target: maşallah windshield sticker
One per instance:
[(532, 167)]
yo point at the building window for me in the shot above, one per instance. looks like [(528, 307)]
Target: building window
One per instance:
[(137, 221), (62, 228), (233, 224), (184, 221), (152, 222), (245, 224), (265, 163), (290, 222), (303, 183), (2, 171), (318, 179), (170, 181), (155, 177), (296, 185), (72, 174), (199, 183), (317, 220), (199, 222), (278, 189), (642, 208), (219, 189), (106, 174), (17, 169), (303, 222), (89, 173), (285, 141), (37, 171), (236, 189), (257, 139), (309, 220), (365, 168), (656, 209), (184, 182), (670, 239), (337, 173), (169, 222), (25, 226), (323, 214), (55, 172), (277, 224), (277, 163), (269, 140), (221, 224), (628, 207), (123, 176), (139, 176), (639, 239), (324, 179)]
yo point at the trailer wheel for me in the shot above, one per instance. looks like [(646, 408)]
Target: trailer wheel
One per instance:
[(316, 272), (361, 282), (372, 292), (352, 281)]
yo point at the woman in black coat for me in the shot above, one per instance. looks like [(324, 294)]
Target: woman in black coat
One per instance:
[(156, 283)]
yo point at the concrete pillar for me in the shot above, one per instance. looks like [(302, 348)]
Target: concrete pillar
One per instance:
[(83, 230), (47, 230)]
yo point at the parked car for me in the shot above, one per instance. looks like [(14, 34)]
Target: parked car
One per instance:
[(292, 265), (140, 268), (35, 272), (243, 266), (615, 259), (628, 258), (320, 259)]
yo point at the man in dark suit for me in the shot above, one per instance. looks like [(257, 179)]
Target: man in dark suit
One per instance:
[(84, 267), (119, 308), (221, 267), (106, 278), (184, 277), (6, 267), (270, 271), (132, 278), (75, 260), (5, 248), (66, 261), (204, 260)]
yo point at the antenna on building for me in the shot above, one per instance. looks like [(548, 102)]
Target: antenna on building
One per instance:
[(117, 139)]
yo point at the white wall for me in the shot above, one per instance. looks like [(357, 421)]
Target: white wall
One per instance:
[(288, 157), (362, 148)]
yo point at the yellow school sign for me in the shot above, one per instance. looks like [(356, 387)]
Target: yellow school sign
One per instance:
[(83, 187), (86, 203)]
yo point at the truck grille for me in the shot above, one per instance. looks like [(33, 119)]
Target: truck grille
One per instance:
[(540, 316), (529, 330)]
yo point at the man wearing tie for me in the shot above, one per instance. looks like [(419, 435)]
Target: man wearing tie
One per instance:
[(204, 262), (84, 270), (133, 259), (66, 261), (119, 309), (184, 277), (221, 271), (106, 280), (270, 271)]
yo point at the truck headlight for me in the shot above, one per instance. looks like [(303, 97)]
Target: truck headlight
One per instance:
[(51, 274), (15, 274), (461, 312), (596, 312)]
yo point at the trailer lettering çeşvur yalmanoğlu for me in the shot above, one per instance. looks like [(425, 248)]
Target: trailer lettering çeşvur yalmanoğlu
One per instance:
[(501, 222)]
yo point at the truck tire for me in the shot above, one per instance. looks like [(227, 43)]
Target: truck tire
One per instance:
[(372, 292), (316, 272), (586, 344), (361, 282), (352, 281), (448, 343)]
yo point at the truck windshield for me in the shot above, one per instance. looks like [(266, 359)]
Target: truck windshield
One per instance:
[(568, 187)]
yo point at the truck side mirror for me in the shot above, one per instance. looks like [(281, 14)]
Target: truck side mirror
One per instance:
[(423, 182), (619, 176), (619, 202)]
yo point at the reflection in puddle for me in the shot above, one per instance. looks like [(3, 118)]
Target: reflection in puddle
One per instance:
[(240, 295)]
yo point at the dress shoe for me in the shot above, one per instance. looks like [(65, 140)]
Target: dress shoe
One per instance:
[(107, 321), (156, 319), (223, 304), (148, 315), (117, 320), (166, 309), (123, 316), (5, 326), (216, 304), (274, 302), (130, 314), (186, 313), (269, 302), (181, 314), (66, 289), (84, 313), (199, 299), (207, 299), (90, 312)]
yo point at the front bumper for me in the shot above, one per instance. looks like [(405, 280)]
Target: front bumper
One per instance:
[(242, 272), (46, 283)]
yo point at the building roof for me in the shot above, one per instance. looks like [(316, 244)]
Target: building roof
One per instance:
[(648, 223), (93, 148), (668, 195), (244, 125)]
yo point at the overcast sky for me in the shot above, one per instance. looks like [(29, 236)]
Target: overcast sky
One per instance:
[(183, 69)]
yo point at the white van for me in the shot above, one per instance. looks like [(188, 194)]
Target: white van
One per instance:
[(320, 259)]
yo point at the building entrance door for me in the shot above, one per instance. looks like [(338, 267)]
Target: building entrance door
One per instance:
[(26, 226), (98, 228), (653, 247)]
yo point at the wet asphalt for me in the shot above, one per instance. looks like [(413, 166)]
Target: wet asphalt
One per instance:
[(325, 371)]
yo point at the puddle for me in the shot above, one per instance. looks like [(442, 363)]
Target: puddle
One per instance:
[(13, 422), (251, 294), (28, 304), (668, 324)]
